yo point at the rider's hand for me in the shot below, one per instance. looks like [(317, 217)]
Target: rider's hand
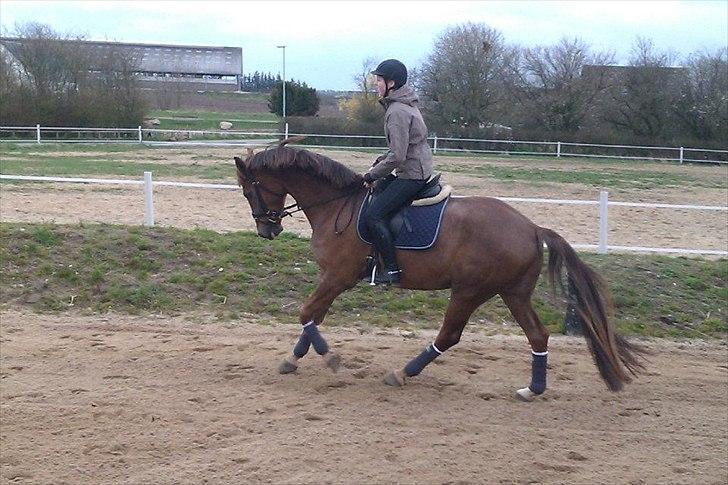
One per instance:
[(368, 180)]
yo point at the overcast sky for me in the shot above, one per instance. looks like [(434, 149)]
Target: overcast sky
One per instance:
[(327, 41)]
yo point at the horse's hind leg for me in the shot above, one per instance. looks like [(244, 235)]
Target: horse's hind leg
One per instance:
[(538, 337), (457, 315)]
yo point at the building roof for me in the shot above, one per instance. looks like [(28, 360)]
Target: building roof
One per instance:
[(161, 58)]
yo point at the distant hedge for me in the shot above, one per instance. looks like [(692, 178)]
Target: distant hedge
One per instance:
[(337, 126)]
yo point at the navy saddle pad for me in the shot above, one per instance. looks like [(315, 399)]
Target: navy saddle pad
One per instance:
[(414, 227)]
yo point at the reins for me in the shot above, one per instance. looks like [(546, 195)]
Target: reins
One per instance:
[(275, 217)]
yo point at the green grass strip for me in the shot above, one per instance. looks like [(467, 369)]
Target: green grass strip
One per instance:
[(598, 177), (100, 268)]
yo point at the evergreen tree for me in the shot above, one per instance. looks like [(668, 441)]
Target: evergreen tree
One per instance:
[(301, 100)]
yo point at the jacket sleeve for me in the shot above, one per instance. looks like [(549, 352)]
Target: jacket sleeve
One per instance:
[(398, 140), (380, 158)]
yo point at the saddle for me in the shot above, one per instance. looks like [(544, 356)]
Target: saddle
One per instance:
[(431, 194), (416, 225)]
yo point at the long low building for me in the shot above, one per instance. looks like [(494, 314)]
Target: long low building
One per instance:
[(188, 66)]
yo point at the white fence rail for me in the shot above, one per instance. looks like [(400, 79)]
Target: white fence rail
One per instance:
[(153, 136), (602, 247)]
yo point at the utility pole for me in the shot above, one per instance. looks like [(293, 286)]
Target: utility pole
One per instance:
[(284, 80)]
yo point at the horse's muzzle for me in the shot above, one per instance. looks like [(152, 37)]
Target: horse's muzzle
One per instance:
[(269, 231)]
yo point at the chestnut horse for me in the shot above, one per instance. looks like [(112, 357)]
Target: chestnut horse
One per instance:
[(485, 248)]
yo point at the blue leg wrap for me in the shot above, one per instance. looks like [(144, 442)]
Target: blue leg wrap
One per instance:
[(538, 372), (318, 342), (302, 345), (415, 366)]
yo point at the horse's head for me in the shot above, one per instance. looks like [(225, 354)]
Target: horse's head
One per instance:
[(266, 197)]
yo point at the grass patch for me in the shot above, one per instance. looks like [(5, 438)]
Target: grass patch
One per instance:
[(598, 177), (105, 267), (45, 236)]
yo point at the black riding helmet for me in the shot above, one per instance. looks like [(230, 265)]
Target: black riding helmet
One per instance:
[(392, 70)]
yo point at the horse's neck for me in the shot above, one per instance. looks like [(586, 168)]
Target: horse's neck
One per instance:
[(317, 197)]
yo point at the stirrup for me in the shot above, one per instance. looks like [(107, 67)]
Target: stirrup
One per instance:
[(387, 278)]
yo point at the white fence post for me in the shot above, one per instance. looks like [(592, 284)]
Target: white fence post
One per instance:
[(148, 200), (558, 148), (139, 128), (603, 221), (37, 133), (286, 131), (681, 155), (434, 147)]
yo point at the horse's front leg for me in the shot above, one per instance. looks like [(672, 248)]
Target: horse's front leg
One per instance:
[(312, 314)]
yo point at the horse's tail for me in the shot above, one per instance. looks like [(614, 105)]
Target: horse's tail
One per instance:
[(590, 297)]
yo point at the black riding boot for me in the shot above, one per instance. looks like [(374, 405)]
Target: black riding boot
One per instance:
[(385, 245)]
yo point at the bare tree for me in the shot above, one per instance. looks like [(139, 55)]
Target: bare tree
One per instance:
[(550, 87), (462, 80), (50, 66), (363, 107), (643, 95), (363, 79), (703, 105), (63, 80)]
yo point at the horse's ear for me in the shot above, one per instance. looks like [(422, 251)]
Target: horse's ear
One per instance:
[(241, 166), (292, 139)]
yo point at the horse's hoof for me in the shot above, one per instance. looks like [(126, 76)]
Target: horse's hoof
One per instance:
[(394, 379), (287, 367), (526, 395), (333, 361)]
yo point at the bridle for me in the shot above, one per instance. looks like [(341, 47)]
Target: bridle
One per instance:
[(266, 215)]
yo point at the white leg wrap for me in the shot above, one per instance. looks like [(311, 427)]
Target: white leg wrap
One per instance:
[(526, 394)]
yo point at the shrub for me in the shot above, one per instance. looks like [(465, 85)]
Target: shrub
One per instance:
[(337, 126)]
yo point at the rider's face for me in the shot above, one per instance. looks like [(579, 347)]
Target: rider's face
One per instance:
[(382, 86)]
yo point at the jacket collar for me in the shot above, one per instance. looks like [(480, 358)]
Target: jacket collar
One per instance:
[(404, 94)]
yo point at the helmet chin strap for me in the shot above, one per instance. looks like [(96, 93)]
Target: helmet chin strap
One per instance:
[(386, 91)]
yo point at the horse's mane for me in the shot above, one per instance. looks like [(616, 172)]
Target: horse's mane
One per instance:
[(283, 157)]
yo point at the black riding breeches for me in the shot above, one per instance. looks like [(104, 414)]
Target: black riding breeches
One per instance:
[(393, 193)]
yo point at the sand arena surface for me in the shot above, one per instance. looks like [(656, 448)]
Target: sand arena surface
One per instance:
[(151, 399)]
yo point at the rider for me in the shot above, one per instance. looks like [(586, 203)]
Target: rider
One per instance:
[(409, 156)]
